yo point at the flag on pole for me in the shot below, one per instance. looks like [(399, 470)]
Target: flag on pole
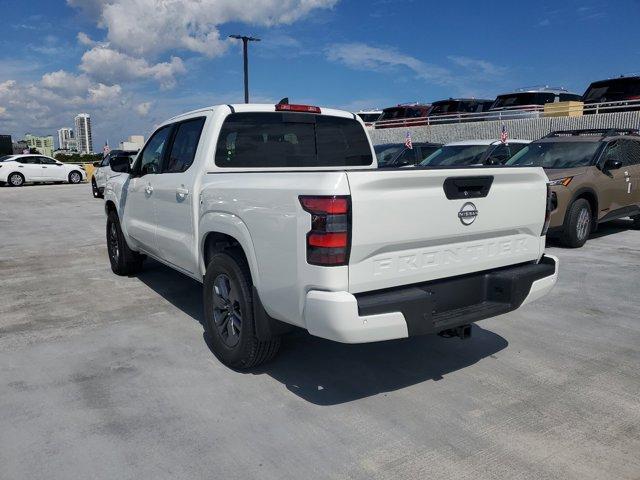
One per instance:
[(407, 141), (106, 149), (504, 135)]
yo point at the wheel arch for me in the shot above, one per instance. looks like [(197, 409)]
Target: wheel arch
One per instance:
[(590, 195), (221, 231)]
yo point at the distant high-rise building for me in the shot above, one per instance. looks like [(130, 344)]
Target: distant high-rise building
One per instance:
[(64, 135), (133, 142), (44, 145), (83, 133)]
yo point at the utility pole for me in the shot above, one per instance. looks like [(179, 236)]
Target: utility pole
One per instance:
[(245, 53)]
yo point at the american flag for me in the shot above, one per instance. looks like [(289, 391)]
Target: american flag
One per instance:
[(407, 141), (106, 149), (504, 135)]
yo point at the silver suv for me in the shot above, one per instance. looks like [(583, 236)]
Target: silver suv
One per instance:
[(528, 102)]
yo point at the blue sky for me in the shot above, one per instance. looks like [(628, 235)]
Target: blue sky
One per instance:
[(133, 63)]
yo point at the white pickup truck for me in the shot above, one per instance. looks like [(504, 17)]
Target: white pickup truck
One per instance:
[(281, 213)]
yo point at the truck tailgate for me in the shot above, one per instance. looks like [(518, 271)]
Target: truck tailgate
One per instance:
[(406, 230)]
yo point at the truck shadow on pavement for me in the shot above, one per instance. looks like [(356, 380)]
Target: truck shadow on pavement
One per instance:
[(604, 230), (323, 372)]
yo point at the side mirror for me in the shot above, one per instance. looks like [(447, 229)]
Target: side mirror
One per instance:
[(97, 164), (612, 164), (120, 164)]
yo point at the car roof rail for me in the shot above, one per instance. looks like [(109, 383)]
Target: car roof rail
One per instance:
[(603, 132)]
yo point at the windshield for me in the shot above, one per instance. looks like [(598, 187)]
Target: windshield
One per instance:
[(613, 90), (292, 140), (442, 108), (555, 155), (456, 155), (521, 99), (386, 153)]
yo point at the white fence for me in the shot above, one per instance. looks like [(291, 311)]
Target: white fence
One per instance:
[(527, 129)]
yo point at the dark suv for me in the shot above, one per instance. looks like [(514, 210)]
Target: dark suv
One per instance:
[(613, 95), (594, 177), (405, 115), (449, 109)]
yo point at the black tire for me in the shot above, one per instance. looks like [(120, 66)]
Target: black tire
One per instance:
[(578, 224), (75, 177), (124, 261), (15, 179), (229, 321), (95, 190)]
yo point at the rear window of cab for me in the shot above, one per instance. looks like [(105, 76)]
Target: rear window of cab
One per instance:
[(293, 140)]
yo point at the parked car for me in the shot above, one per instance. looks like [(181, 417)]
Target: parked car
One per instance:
[(474, 152), (103, 170), (594, 177), (280, 212), (398, 155), (404, 115), (457, 106), (613, 90), (528, 102), (369, 116), (16, 170)]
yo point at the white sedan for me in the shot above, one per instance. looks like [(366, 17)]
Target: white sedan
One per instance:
[(16, 170)]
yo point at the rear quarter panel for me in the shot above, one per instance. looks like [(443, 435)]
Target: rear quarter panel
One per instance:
[(262, 211)]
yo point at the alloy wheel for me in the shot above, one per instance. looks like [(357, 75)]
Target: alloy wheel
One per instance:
[(114, 249), (16, 180), (227, 314), (583, 224)]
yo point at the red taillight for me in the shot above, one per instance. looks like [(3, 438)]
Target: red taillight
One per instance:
[(548, 210), (329, 240), (286, 107)]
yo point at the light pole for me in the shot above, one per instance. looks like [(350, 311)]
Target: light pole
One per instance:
[(245, 42)]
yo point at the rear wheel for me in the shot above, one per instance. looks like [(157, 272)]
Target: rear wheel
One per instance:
[(16, 179), (578, 224), (124, 261), (228, 314), (75, 177)]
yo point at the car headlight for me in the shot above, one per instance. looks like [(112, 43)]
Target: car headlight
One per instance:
[(561, 181)]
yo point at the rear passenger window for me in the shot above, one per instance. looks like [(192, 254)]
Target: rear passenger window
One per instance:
[(629, 152), (294, 140), (185, 144)]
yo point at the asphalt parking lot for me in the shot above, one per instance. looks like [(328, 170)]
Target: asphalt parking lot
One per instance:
[(110, 377)]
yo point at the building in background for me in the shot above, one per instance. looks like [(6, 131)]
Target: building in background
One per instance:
[(83, 133), (44, 145), (19, 147), (133, 142), (6, 147), (64, 135)]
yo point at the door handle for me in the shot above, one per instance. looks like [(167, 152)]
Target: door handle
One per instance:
[(44, 167), (182, 192), (148, 189)]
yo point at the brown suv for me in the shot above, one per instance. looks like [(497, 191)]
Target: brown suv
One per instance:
[(594, 177)]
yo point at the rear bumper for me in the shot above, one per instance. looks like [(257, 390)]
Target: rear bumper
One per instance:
[(426, 308)]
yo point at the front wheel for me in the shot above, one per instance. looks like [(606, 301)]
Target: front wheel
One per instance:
[(75, 177), (124, 261), (578, 224), (16, 179), (228, 314)]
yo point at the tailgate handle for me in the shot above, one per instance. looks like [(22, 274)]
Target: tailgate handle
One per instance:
[(467, 187)]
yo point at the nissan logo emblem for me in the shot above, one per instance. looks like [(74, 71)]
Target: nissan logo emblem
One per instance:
[(468, 213)]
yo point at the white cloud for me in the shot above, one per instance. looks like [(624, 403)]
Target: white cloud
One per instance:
[(365, 57), (85, 40), (482, 67), (65, 82), (143, 108), (150, 27), (111, 66), (104, 94)]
